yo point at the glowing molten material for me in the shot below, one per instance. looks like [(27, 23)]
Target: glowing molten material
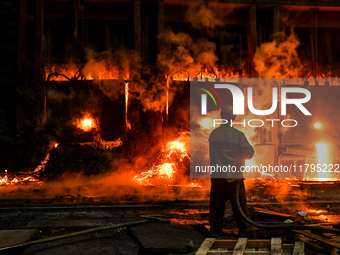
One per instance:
[(86, 123), (168, 171), (99, 142), (177, 147), (164, 171), (27, 177)]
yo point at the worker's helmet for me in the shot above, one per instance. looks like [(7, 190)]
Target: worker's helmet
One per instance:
[(227, 112)]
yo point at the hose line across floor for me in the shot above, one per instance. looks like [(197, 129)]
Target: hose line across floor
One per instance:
[(278, 226)]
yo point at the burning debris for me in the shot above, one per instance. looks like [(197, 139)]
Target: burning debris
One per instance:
[(26, 178), (171, 167)]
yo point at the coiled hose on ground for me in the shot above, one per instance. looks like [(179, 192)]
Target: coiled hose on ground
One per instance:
[(278, 226)]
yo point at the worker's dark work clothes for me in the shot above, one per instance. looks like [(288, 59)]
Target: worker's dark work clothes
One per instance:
[(219, 195), (228, 148)]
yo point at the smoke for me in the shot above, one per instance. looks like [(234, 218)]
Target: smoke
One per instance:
[(276, 59), (105, 66), (59, 96), (118, 184), (204, 16), (114, 187), (205, 52), (184, 54), (279, 58), (178, 54)]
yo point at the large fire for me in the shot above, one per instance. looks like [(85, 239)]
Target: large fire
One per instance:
[(86, 123)]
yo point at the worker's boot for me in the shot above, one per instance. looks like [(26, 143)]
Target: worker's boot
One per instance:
[(251, 233)]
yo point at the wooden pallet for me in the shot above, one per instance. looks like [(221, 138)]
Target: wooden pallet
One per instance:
[(211, 246), (321, 242)]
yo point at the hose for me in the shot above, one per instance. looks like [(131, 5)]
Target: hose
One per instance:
[(57, 74), (279, 226), (149, 218)]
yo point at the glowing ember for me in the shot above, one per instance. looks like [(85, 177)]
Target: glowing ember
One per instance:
[(5, 179), (106, 145), (41, 167), (87, 123), (164, 171), (194, 185), (25, 177), (19, 180), (316, 212), (168, 172)]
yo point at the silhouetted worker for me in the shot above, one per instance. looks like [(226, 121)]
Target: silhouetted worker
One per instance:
[(230, 148)]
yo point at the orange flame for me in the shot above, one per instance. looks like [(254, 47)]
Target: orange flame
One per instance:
[(41, 167), (177, 146), (211, 75), (97, 72), (164, 171), (174, 152), (86, 123), (6, 180), (106, 145), (92, 71)]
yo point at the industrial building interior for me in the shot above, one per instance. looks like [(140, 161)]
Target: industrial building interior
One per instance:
[(96, 123)]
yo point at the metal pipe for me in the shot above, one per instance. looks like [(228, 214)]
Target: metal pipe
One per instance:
[(282, 203), (83, 232), (77, 207)]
